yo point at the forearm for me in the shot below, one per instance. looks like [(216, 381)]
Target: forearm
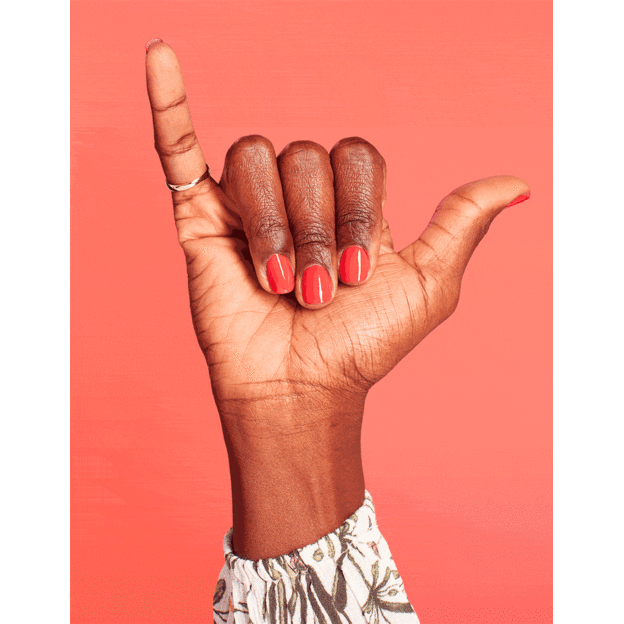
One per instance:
[(296, 471)]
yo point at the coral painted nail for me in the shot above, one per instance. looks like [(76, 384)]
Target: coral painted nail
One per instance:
[(316, 285), (280, 274), (149, 43), (519, 200), (354, 265)]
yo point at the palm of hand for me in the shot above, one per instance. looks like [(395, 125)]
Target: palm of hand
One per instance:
[(259, 344)]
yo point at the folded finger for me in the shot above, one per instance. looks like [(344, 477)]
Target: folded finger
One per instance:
[(359, 189), (307, 184), (251, 179)]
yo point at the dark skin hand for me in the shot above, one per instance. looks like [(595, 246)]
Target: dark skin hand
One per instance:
[(290, 371)]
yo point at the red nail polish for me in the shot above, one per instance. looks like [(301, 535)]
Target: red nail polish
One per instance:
[(354, 265), (316, 285), (519, 200), (280, 274), (149, 43)]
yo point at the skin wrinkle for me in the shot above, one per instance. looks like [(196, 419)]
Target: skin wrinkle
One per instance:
[(207, 287), (226, 316), (469, 200), (367, 383), (171, 106), (412, 315), (262, 324), (189, 197), (357, 216), (422, 278), (307, 237), (186, 143), (437, 253), (311, 340), (289, 382), (227, 331), (200, 275), (435, 224), (425, 297), (247, 401), (268, 229)]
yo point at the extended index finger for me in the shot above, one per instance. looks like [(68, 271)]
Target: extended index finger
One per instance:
[(175, 140)]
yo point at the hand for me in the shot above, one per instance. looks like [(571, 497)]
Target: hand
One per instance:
[(290, 368)]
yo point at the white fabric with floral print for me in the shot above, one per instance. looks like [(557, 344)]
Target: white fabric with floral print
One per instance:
[(346, 577)]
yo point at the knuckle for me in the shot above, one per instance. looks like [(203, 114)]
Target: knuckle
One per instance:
[(267, 227), (356, 148), (250, 147), (460, 201), (361, 214), (304, 237), (480, 218), (304, 151)]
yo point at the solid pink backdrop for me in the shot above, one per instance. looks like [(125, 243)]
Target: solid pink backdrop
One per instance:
[(457, 439)]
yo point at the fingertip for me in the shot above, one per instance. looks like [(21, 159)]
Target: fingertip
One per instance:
[(354, 265), (495, 193), (160, 55), (519, 199), (164, 75), (506, 184), (280, 274), (152, 42), (317, 287), (516, 190), (512, 186)]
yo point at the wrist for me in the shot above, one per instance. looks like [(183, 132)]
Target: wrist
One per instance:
[(296, 471)]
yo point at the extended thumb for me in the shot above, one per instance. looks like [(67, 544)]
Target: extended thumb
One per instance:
[(459, 223)]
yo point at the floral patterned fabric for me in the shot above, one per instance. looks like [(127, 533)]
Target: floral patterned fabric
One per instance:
[(348, 576)]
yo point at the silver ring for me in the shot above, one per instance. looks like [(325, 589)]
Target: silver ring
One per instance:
[(184, 187)]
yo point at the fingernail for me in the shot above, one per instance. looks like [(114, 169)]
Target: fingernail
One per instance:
[(280, 274), (149, 43), (316, 285), (519, 200), (354, 265)]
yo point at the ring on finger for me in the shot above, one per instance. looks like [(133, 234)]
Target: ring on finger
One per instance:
[(184, 187)]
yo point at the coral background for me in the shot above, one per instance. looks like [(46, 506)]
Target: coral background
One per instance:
[(458, 438)]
